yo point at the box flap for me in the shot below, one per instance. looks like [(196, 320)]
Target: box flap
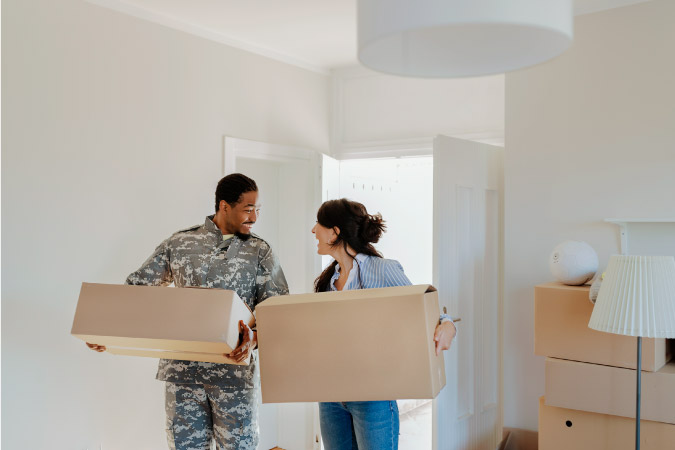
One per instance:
[(396, 291)]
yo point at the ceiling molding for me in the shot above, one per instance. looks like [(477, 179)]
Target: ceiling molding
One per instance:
[(343, 148), (196, 30), (161, 14)]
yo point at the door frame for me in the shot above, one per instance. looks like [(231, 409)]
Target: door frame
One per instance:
[(232, 149)]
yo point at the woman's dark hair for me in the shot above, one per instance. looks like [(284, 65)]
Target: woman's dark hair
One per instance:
[(358, 230), (231, 187)]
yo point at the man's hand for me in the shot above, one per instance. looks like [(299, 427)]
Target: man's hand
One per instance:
[(445, 333), (96, 348), (248, 342)]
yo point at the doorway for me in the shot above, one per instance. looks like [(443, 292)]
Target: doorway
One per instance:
[(401, 190), (444, 215)]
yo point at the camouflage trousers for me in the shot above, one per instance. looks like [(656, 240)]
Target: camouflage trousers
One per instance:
[(198, 413)]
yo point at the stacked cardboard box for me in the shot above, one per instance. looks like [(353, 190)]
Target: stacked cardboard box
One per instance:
[(590, 379), (562, 428)]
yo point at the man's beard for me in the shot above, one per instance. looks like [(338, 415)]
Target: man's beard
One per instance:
[(243, 236)]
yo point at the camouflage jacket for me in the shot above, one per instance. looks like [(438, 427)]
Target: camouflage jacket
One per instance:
[(199, 256)]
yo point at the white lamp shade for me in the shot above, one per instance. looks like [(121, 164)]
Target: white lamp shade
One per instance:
[(637, 297), (459, 38)]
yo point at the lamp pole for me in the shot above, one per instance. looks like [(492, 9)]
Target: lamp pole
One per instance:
[(637, 399)]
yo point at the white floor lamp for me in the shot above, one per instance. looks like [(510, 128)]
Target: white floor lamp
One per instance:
[(637, 298)]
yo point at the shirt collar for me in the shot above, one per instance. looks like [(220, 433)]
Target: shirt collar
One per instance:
[(211, 226), (222, 241), (360, 258)]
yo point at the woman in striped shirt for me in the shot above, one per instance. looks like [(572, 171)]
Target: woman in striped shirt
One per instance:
[(345, 231)]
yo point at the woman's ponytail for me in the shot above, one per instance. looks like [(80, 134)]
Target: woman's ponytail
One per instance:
[(371, 228)]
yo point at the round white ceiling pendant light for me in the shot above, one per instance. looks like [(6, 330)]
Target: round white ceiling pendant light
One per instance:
[(461, 38)]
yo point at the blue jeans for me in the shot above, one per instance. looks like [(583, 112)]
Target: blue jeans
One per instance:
[(359, 425)]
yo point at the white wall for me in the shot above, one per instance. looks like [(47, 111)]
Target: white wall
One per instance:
[(589, 136), (372, 109), (112, 139)]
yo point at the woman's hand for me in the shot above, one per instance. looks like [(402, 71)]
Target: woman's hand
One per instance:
[(248, 342), (96, 348), (445, 333)]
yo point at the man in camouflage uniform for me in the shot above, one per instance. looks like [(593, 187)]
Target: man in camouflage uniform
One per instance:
[(208, 400)]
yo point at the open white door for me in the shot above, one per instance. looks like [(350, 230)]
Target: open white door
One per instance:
[(468, 237), (289, 181)]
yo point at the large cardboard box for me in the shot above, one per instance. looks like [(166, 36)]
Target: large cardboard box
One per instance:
[(610, 390), (561, 315), (193, 324), (368, 344), (569, 429)]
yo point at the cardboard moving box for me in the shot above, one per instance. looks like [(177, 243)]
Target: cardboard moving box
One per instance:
[(561, 315), (194, 324), (568, 429), (367, 344), (610, 390)]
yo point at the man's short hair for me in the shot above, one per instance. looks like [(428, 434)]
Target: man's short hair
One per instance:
[(231, 187)]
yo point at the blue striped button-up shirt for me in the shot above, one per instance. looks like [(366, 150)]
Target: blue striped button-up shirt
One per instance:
[(374, 272)]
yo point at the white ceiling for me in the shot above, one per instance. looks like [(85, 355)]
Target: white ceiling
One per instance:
[(315, 34)]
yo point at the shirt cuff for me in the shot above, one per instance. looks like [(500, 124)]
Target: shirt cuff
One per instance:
[(447, 318)]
